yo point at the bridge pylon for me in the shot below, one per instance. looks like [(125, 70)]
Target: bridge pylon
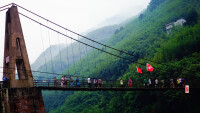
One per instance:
[(20, 96), (15, 53)]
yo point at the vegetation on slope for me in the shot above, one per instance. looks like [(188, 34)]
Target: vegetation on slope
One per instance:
[(56, 98), (144, 37), (69, 55)]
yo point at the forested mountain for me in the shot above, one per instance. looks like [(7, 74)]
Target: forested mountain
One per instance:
[(69, 53), (40, 61), (145, 37)]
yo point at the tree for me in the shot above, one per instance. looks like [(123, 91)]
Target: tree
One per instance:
[(192, 17), (154, 3), (141, 16)]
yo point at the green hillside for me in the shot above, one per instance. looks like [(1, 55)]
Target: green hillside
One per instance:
[(69, 55), (144, 37), (40, 61), (68, 58)]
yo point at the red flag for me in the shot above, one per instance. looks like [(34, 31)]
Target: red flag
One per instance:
[(149, 67), (139, 70)]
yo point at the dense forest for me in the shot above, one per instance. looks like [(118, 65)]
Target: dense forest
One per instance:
[(174, 54)]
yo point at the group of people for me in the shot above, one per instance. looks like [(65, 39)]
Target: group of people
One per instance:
[(148, 82), (130, 82), (179, 82), (64, 82), (172, 83), (97, 83)]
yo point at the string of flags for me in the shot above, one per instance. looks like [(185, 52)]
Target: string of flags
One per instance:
[(149, 68)]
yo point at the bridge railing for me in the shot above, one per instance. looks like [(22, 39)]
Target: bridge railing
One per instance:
[(105, 84), (194, 83), (1, 84)]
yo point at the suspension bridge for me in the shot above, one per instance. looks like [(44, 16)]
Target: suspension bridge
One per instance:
[(16, 60), (22, 66)]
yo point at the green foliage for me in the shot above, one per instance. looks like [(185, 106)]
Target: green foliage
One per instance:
[(154, 3), (141, 16), (70, 53), (145, 38), (192, 17), (181, 42)]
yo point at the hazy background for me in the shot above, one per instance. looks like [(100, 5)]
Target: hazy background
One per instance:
[(77, 15)]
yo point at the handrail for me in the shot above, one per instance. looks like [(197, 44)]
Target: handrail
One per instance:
[(105, 84)]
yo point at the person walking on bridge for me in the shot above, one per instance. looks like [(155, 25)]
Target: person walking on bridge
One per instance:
[(172, 83), (71, 81), (95, 82), (77, 81), (89, 82), (163, 83), (62, 81), (99, 82), (156, 83), (55, 81), (65, 81), (149, 82), (121, 82), (130, 82), (145, 82)]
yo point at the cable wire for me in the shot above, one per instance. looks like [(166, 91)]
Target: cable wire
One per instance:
[(89, 38), (6, 5), (80, 54), (60, 54), (43, 49), (50, 49), (73, 57), (40, 72), (67, 56)]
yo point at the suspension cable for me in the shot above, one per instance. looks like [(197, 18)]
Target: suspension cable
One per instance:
[(43, 49), (80, 54), (130, 60), (87, 59), (106, 57), (6, 5), (50, 49), (3, 9), (60, 53), (94, 60), (99, 61), (38, 71), (67, 55), (89, 38), (73, 57)]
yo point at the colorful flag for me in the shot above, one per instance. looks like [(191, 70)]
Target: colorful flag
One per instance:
[(139, 70), (7, 59), (149, 67)]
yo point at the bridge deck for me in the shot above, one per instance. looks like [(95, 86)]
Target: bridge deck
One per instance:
[(108, 89), (104, 87)]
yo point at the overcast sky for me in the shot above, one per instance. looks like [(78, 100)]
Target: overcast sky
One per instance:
[(77, 15)]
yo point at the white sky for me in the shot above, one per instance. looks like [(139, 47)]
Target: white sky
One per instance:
[(77, 15)]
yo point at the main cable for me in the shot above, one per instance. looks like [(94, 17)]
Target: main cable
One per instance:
[(6, 5), (86, 43), (89, 38), (39, 72)]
